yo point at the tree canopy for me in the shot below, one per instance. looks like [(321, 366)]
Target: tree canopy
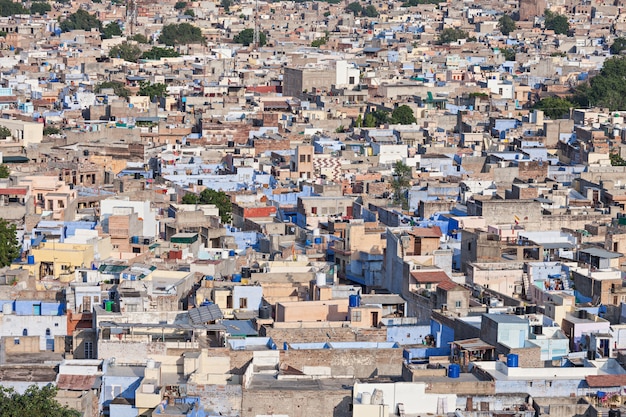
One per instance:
[(411, 3), (402, 175), (4, 171), (118, 88), (246, 37), (10, 8), (35, 402), (40, 7), (50, 130), (80, 20), (376, 118), (138, 37), (370, 11), (9, 250), (556, 22), (209, 196), (607, 89), (152, 90), (618, 46), (508, 54), (506, 24), (111, 30), (450, 35), (355, 8), (5, 132), (126, 51), (403, 115), (180, 34), (554, 107), (158, 53)]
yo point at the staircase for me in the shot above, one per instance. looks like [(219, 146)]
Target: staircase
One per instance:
[(527, 284)]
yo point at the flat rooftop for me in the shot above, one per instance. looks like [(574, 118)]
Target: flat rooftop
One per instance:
[(269, 382)]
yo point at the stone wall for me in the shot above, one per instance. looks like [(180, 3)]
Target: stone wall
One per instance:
[(314, 335), (218, 399), (297, 403)]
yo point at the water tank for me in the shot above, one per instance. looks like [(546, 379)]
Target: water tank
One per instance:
[(225, 254), (454, 370), (209, 277), (538, 329), (232, 252), (531, 309), (519, 311), (591, 355), (615, 412), (108, 305), (320, 279), (316, 232), (265, 312), (582, 314), (354, 300), (31, 260), (366, 398), (318, 240), (236, 277), (135, 239), (285, 346), (245, 272), (512, 360)]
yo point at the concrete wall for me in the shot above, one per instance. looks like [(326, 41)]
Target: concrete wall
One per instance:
[(296, 403), (321, 333)]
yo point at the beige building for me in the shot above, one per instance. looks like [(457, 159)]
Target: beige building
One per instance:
[(26, 133)]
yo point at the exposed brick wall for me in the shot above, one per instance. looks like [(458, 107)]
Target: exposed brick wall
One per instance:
[(321, 334), (297, 403), (218, 399)]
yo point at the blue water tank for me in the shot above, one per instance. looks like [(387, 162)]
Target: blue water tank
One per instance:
[(236, 277), (31, 259), (209, 277), (318, 240), (285, 346), (354, 300), (454, 370), (231, 252), (135, 239), (512, 360)]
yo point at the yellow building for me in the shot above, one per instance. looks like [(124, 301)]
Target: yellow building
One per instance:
[(59, 260)]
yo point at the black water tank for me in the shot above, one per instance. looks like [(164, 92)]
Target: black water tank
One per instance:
[(245, 272), (519, 311), (265, 312), (614, 412), (582, 314), (531, 309), (537, 329), (591, 355)]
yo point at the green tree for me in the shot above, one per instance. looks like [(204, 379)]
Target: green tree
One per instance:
[(190, 13), (5, 132), (554, 107), (370, 11), (226, 5), (35, 402), (139, 38), (246, 37), (319, 42), (450, 35), (618, 45), (51, 130), (9, 250), (80, 20), (607, 89), (190, 198), (402, 175), (359, 121), (413, 3), (508, 53), (10, 8), (152, 90), (111, 30), (5, 171), (126, 51), (556, 22), (403, 115), (157, 53), (355, 8), (180, 34), (40, 7), (369, 120), (220, 199), (506, 25), (180, 5), (118, 87)]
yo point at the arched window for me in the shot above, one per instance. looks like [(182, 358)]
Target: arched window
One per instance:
[(25, 332)]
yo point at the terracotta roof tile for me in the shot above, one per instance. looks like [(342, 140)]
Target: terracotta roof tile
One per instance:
[(602, 381)]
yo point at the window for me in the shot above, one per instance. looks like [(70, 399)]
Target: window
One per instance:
[(243, 303), (356, 316), (308, 158), (25, 332), (88, 350), (48, 332), (313, 210), (86, 303), (302, 158), (16, 341), (457, 304)]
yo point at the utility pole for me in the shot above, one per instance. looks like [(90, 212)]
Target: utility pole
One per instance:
[(257, 38)]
